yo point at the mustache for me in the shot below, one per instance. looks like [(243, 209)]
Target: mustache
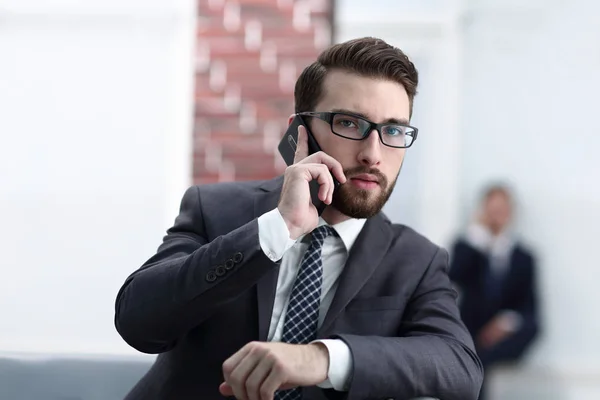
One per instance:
[(350, 172)]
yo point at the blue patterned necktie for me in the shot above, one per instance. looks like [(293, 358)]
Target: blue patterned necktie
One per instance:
[(302, 316)]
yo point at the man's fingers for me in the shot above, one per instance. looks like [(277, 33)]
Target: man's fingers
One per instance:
[(302, 145), (323, 176), (237, 378), (257, 377), (332, 164), (231, 363), (225, 389), (331, 189), (324, 193), (337, 170), (273, 382), (247, 377), (320, 157), (325, 182)]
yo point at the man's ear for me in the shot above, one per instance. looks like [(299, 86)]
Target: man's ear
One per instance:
[(290, 119)]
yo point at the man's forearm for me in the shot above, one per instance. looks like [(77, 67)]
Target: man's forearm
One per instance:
[(409, 367), (184, 284)]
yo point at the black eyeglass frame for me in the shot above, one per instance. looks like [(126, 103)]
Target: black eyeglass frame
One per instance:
[(329, 117)]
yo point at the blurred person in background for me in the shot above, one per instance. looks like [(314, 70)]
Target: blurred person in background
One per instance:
[(252, 293), (495, 275)]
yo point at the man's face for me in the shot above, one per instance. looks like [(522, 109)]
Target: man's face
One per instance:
[(498, 211), (370, 166)]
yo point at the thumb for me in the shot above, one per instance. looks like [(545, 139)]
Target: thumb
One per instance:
[(302, 146)]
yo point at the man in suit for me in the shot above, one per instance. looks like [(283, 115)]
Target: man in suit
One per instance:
[(495, 275), (252, 294)]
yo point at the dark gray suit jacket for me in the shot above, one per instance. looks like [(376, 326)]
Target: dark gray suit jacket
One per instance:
[(209, 290)]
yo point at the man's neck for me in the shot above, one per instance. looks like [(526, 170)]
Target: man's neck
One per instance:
[(332, 216), (497, 230)]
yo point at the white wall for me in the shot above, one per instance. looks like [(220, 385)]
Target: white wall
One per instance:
[(530, 114), (522, 79), (95, 129)]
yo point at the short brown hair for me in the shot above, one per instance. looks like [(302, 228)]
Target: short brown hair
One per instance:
[(370, 57), (495, 188)]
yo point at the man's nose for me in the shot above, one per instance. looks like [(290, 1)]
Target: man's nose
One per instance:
[(370, 154)]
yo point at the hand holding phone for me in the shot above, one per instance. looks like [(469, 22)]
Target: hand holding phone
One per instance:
[(309, 180)]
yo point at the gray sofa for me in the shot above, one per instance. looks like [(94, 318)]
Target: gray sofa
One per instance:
[(68, 379)]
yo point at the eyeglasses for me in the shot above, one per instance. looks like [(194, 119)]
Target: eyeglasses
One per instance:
[(354, 127)]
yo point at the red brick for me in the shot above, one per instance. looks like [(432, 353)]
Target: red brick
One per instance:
[(222, 124), (205, 180), (259, 93), (248, 67), (213, 106), (216, 125), (223, 45)]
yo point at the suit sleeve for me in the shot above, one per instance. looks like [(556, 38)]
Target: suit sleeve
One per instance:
[(433, 354), (529, 304), (187, 280), (515, 346)]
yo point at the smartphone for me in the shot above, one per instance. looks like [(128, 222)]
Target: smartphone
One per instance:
[(287, 149)]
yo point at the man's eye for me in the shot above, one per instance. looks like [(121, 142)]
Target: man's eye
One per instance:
[(393, 131), (346, 123)]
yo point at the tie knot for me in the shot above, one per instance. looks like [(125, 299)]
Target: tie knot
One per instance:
[(320, 233)]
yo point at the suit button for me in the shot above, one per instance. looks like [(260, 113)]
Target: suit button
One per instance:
[(238, 257), (229, 264), (220, 271), (211, 276)]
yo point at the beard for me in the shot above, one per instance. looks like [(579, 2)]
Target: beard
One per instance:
[(362, 203)]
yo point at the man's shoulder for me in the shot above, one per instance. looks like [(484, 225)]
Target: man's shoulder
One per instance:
[(404, 235), (224, 206), (235, 188), (524, 249)]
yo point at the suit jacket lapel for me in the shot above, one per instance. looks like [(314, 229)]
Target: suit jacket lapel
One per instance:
[(266, 201), (366, 254)]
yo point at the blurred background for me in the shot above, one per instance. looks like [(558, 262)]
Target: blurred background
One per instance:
[(110, 109)]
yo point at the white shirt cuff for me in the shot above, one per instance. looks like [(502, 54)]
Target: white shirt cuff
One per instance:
[(340, 365), (273, 235)]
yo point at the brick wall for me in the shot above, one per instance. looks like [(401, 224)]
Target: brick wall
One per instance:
[(249, 54)]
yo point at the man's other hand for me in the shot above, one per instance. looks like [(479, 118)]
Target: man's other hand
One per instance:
[(494, 332), (259, 369)]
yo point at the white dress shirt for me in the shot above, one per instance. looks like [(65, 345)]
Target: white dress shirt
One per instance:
[(499, 247), (275, 242)]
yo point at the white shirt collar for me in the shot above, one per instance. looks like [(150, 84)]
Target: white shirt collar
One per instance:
[(347, 230)]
